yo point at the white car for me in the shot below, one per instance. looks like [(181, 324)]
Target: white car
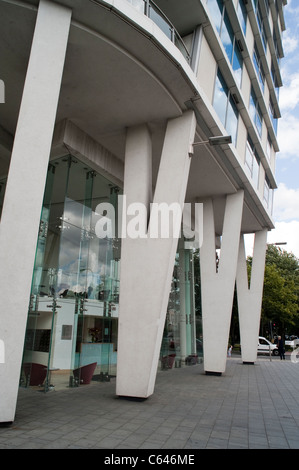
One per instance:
[(292, 341), (264, 346)]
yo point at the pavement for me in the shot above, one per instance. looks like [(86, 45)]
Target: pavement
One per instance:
[(248, 407)]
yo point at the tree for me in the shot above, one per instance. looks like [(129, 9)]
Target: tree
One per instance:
[(280, 306)]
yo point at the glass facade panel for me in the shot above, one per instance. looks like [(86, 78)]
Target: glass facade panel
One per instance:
[(255, 112), (261, 25), (242, 15), (274, 120), (220, 98), (72, 325), (216, 9), (232, 120), (160, 21), (227, 37), (259, 68), (182, 337), (237, 64), (225, 107), (255, 171), (252, 162), (73, 313), (266, 191)]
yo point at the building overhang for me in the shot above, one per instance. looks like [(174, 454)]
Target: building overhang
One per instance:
[(121, 71)]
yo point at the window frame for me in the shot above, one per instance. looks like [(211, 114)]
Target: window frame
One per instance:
[(230, 106)]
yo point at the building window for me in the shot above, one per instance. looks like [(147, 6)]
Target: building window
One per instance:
[(261, 25), (269, 147), (227, 36), (252, 162), (259, 67), (275, 80), (216, 8), (255, 112), (76, 272), (273, 116), (242, 15), (276, 47), (225, 107), (267, 191)]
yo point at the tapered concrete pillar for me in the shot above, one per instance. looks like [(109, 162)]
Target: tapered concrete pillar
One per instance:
[(147, 264), (250, 296), (218, 287), (25, 189), (138, 166)]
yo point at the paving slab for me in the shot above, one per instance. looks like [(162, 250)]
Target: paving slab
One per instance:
[(248, 407)]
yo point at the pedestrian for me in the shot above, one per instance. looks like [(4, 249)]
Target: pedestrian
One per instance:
[(229, 352), (280, 347)]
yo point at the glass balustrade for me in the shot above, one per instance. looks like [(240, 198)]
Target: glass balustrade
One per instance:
[(150, 9)]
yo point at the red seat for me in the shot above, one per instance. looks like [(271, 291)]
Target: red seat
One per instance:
[(84, 374), (35, 373), (167, 361)]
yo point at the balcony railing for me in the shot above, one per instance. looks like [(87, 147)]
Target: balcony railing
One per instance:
[(152, 11)]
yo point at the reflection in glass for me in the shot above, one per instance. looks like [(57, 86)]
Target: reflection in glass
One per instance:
[(227, 37), (225, 107), (2, 191), (220, 98), (242, 15), (73, 314), (216, 9), (232, 120), (182, 336)]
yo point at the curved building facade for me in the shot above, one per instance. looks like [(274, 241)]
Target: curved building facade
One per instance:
[(137, 148)]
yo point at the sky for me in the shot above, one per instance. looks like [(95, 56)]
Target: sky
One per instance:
[(286, 197)]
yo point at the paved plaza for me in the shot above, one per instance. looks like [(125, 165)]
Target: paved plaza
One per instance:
[(249, 407)]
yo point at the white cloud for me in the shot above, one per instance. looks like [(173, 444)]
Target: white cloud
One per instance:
[(286, 204), (286, 215), (286, 232), (288, 136), (289, 44), (289, 94)]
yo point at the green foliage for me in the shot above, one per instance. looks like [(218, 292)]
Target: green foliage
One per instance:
[(280, 307)]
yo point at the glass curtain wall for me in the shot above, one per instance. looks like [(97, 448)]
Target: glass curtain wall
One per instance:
[(73, 312), (72, 326), (182, 337)]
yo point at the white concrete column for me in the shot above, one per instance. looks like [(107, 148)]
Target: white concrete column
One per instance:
[(218, 287), (147, 267), (138, 166), (25, 189), (250, 297)]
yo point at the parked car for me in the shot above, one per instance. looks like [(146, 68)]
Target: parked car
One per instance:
[(292, 341), (264, 346)]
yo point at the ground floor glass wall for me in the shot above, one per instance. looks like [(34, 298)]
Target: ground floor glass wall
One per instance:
[(182, 337), (72, 326), (73, 313)]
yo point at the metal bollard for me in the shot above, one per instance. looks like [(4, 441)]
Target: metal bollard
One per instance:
[(270, 354)]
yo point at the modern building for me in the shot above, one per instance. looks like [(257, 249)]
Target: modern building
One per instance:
[(137, 140)]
